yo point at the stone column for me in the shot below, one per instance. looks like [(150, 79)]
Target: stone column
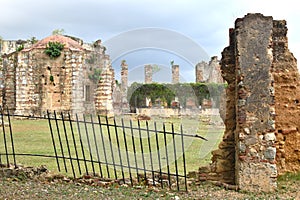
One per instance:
[(175, 74), (124, 86), (103, 97), (148, 74), (255, 124), (200, 72)]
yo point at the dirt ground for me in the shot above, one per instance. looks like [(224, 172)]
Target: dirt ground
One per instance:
[(18, 188)]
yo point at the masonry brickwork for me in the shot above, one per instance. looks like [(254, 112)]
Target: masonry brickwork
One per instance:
[(34, 83), (148, 73), (209, 72), (175, 74), (261, 135)]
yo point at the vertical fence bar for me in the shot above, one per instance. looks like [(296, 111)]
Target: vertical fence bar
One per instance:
[(74, 143), (11, 138), (4, 138), (134, 151), (142, 149), (111, 149), (89, 144), (103, 145), (127, 155), (81, 144), (175, 157), (119, 151), (53, 140), (68, 146), (60, 142), (183, 157), (150, 152), (167, 156), (158, 155), (96, 146)]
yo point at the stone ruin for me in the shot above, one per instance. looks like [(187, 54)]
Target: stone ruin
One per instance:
[(261, 114), (32, 82), (261, 138), (205, 72), (209, 72)]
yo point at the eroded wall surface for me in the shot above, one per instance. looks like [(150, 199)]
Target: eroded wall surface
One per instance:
[(262, 136)]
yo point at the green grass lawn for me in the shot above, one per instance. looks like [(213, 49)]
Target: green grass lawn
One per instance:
[(33, 137)]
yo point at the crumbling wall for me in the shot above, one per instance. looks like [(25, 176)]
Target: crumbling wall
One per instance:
[(287, 101), (209, 72), (148, 74), (35, 83), (262, 100)]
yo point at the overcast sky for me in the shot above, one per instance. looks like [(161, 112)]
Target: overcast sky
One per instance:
[(206, 23)]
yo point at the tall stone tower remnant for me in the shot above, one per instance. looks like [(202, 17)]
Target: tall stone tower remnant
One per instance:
[(148, 74), (175, 74), (262, 107)]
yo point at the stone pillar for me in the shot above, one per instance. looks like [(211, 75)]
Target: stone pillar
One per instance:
[(175, 74), (200, 72), (103, 99), (124, 87), (255, 124), (148, 74), (215, 71)]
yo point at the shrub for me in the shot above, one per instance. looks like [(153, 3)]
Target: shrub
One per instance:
[(53, 49)]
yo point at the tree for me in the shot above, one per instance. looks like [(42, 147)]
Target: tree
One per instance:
[(58, 31)]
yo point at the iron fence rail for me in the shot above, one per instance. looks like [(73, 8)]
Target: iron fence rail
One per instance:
[(102, 146)]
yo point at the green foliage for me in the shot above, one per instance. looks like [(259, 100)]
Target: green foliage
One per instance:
[(289, 176), (54, 49), (58, 31), (32, 40), (138, 92), (51, 78), (155, 68), (20, 47), (95, 76)]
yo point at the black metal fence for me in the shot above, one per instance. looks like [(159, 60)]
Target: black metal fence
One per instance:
[(132, 151)]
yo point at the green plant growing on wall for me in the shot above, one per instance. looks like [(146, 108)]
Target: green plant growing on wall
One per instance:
[(95, 76), (20, 48), (32, 40), (51, 78), (53, 49)]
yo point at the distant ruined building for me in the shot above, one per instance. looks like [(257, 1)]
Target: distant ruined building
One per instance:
[(80, 80), (209, 72)]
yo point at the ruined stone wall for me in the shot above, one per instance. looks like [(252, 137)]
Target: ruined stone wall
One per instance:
[(9, 79), (148, 74), (287, 98), (209, 72), (175, 74), (215, 71), (35, 83), (103, 97), (255, 112), (200, 67), (223, 159), (262, 107)]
